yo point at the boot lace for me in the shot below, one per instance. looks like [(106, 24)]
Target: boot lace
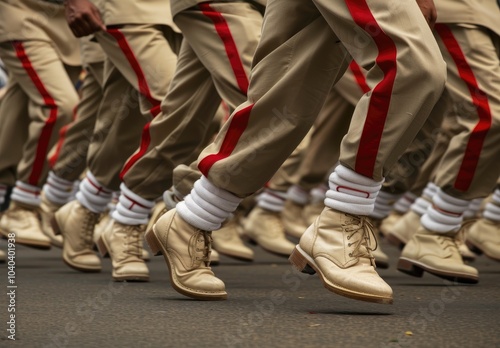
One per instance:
[(202, 241), (133, 241), (361, 226), (88, 225)]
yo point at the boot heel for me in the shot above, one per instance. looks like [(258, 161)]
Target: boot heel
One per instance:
[(473, 248), (407, 267), (55, 226), (153, 242), (300, 262), (101, 246)]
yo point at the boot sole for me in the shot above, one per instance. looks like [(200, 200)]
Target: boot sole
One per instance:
[(305, 264), (85, 269), (158, 249), (26, 242), (416, 269), (131, 278), (477, 250)]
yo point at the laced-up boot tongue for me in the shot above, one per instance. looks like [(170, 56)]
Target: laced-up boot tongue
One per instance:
[(201, 247), (133, 241), (362, 237)]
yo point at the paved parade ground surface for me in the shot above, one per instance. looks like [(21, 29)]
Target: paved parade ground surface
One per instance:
[(268, 306)]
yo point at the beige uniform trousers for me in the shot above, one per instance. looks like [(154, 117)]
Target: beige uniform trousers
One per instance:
[(68, 158), (214, 62), (289, 86), (39, 100), (140, 62), (470, 166), (311, 168)]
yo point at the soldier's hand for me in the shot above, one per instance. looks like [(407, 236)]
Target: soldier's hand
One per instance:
[(428, 10), (83, 17)]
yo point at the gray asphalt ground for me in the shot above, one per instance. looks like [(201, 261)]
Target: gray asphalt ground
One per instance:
[(268, 306)]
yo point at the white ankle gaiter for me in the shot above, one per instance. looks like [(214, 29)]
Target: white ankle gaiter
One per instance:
[(57, 190), (27, 194), (298, 195), (404, 203), (272, 200), (422, 203), (351, 192), (207, 206), (131, 208), (445, 214), (383, 204), (93, 195), (492, 209)]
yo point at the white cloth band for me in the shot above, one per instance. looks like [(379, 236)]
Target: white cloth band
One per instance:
[(384, 204), (207, 206), (492, 209), (93, 195), (57, 190), (404, 203), (445, 214), (351, 192), (27, 194), (132, 209), (318, 194), (272, 200), (298, 195)]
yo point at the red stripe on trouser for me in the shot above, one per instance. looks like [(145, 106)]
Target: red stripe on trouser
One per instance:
[(144, 90), (359, 76), (380, 99), (50, 103), (145, 140), (62, 136), (134, 63), (237, 126), (224, 33), (480, 101)]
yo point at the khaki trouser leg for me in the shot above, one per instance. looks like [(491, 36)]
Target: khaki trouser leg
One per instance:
[(263, 132), (188, 110), (13, 116), (117, 131), (36, 66), (68, 157), (470, 166), (323, 151)]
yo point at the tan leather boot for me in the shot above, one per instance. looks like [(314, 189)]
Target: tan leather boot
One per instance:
[(338, 247), (265, 228), (438, 254), (24, 222), (293, 220), (389, 222), (465, 252), (402, 231), (76, 224), (186, 250), (381, 258), (47, 211), (484, 237), (227, 241), (123, 243)]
